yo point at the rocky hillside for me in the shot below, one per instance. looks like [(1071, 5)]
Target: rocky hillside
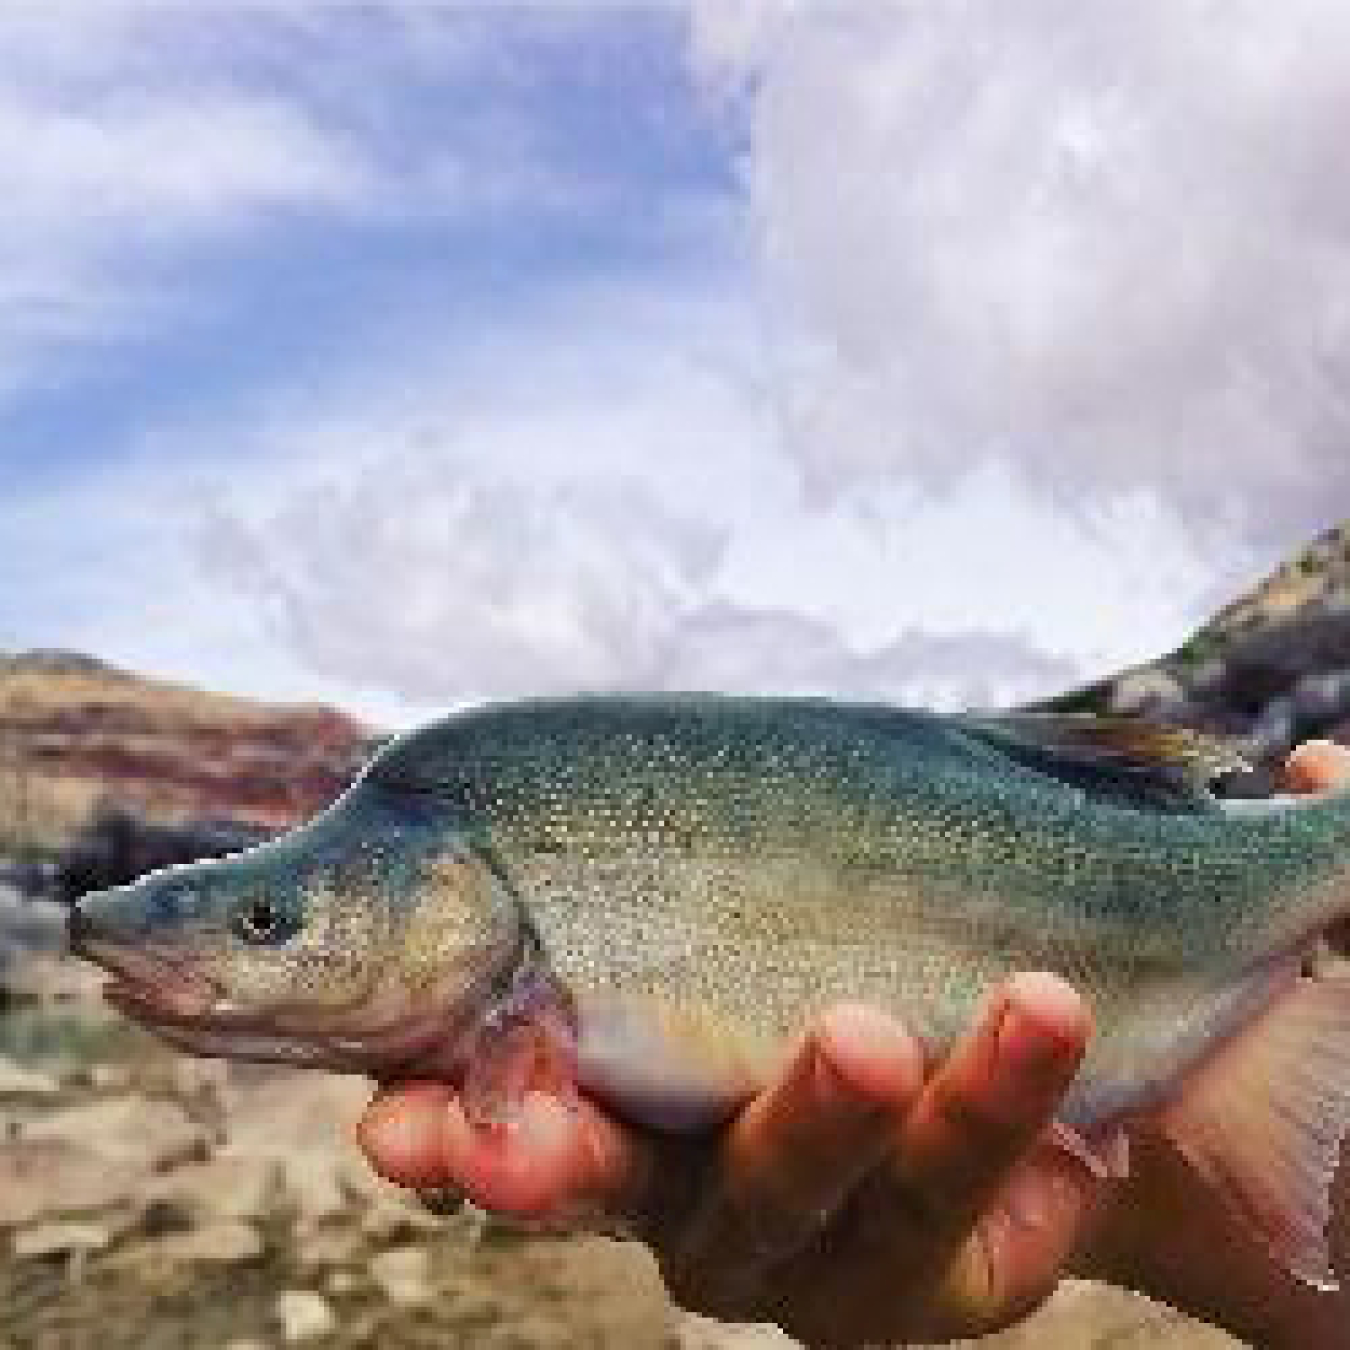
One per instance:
[(75, 732), (1273, 666)]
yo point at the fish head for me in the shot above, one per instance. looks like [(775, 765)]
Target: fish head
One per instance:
[(328, 947)]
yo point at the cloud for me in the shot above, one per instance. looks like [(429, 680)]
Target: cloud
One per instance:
[(932, 450), (601, 504), (112, 174), (1108, 244), (150, 150), (444, 581)]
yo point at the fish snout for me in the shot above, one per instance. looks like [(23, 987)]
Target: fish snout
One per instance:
[(102, 919), (111, 929)]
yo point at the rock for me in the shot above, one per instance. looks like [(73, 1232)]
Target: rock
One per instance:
[(304, 1315), (1205, 681), (17, 1081), (155, 1133), (42, 1177), (224, 1240), (327, 1245), (340, 1282), (702, 1333), (65, 1235), (223, 1188), (403, 1274), (46, 977), (109, 1077), (1322, 698), (1145, 692), (302, 1121), (1080, 1315), (391, 1218), (1274, 730), (200, 1077)]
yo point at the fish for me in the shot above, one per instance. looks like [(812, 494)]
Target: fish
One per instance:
[(645, 898)]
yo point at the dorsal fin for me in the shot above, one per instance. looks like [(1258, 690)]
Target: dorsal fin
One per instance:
[(1140, 762)]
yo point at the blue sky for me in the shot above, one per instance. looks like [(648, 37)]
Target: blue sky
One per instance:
[(494, 162), (402, 354)]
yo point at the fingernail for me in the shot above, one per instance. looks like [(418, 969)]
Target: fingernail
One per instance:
[(828, 1089), (542, 1123), (869, 1056), (396, 1138)]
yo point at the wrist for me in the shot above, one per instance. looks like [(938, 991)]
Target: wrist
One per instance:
[(1161, 1232)]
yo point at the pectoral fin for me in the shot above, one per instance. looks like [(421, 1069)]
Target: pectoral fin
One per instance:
[(1263, 1122), (665, 1067)]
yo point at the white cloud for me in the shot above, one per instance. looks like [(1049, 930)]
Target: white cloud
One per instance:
[(1111, 243), (115, 163), (154, 166), (441, 578), (138, 135), (600, 503)]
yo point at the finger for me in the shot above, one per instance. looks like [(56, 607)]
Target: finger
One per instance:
[(1316, 766), (802, 1145), (557, 1163), (989, 1102), (1026, 1237)]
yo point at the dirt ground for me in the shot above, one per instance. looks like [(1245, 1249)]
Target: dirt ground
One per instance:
[(151, 1202)]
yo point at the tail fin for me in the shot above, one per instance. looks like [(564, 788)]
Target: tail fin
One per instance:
[(1263, 1122)]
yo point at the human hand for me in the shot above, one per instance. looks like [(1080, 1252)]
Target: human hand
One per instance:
[(1166, 1234), (851, 1203)]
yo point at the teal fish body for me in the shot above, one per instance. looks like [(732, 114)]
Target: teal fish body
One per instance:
[(649, 897)]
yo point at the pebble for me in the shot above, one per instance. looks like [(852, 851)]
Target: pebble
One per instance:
[(390, 1219), (64, 1235), (110, 1077), (232, 1188), (326, 1245), (18, 1081), (304, 1315), (403, 1274), (340, 1282), (227, 1240)]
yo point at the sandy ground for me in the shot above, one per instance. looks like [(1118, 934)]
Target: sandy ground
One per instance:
[(152, 1201)]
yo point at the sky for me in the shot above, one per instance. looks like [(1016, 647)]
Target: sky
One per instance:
[(407, 354)]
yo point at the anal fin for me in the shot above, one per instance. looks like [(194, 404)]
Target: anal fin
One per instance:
[(1262, 1121)]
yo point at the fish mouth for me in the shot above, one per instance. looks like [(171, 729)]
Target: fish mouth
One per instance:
[(149, 984)]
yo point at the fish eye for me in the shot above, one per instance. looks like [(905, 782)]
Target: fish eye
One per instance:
[(258, 919)]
